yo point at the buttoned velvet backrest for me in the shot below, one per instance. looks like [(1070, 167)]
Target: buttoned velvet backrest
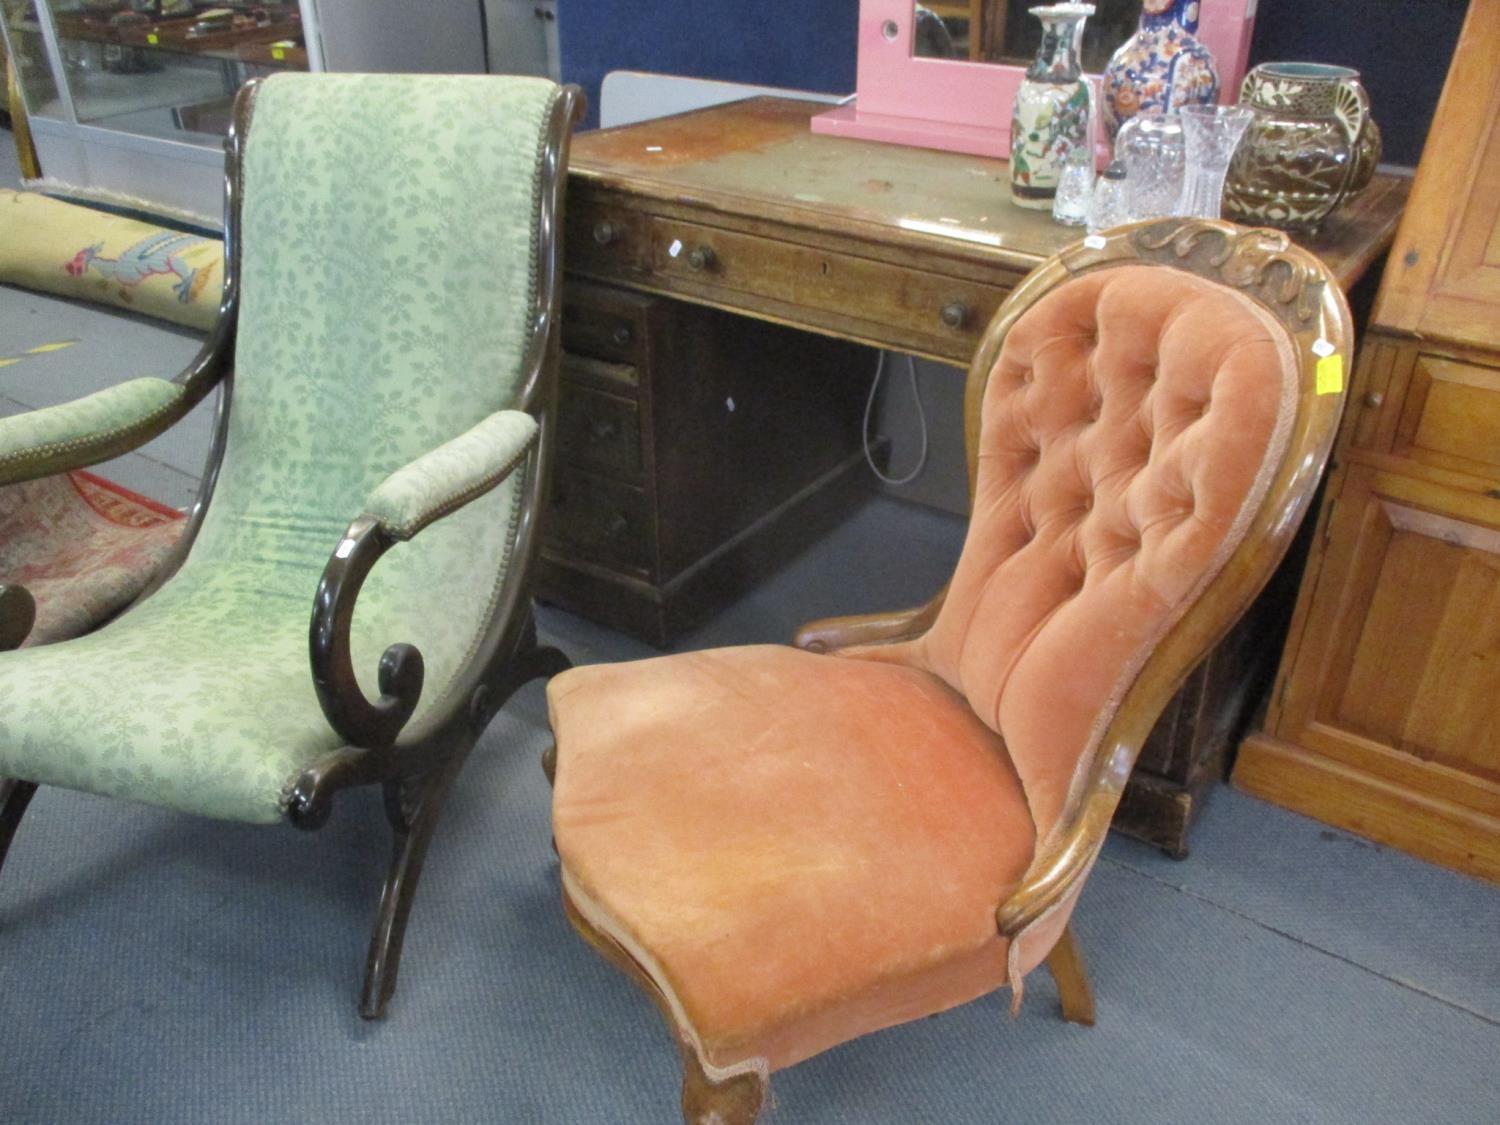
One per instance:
[(1130, 427)]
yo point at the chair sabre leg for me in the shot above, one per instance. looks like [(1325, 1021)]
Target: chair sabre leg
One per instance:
[(1065, 963), (413, 814), (15, 795), (734, 1101)]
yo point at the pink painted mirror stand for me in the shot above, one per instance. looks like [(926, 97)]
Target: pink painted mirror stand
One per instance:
[(964, 106)]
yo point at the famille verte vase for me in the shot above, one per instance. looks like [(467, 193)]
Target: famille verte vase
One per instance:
[(1050, 117), (1311, 145), (1161, 68)]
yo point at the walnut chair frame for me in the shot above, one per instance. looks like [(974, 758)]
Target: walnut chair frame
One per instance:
[(1296, 288), (414, 766)]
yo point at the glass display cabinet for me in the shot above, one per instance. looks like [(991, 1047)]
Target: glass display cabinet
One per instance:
[(133, 97)]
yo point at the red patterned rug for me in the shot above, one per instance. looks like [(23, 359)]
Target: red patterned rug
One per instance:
[(83, 546)]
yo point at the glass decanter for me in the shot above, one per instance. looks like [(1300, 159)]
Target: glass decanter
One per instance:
[(1151, 147)]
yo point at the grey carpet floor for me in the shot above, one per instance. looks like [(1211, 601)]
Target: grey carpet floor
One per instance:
[(160, 968)]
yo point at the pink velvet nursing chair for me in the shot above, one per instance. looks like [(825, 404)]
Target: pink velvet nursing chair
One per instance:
[(794, 846)]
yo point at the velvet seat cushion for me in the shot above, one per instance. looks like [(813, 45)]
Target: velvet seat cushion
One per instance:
[(799, 849)]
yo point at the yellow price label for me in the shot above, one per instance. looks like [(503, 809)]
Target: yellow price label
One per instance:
[(278, 53), (152, 38), (1330, 374)]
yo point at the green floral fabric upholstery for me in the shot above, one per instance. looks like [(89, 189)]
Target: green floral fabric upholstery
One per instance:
[(85, 423), (388, 274), (451, 475)]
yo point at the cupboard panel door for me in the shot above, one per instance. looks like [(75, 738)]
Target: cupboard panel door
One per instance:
[(1451, 417), (1400, 661)]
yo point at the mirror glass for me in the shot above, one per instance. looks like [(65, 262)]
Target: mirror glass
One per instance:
[(1005, 31)]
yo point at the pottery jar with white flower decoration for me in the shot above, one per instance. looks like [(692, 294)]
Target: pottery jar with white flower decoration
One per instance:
[(1311, 145)]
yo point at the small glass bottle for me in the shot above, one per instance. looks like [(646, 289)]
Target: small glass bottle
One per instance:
[(1075, 188), (1109, 207)]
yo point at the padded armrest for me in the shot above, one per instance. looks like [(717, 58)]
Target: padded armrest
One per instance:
[(451, 475), (833, 633), (87, 430)]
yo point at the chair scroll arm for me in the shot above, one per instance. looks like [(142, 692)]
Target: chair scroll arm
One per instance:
[(1060, 865), (360, 723), (832, 633), (414, 496), (17, 616)]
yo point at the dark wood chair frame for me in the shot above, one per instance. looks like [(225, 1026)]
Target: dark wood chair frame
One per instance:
[(1298, 290), (415, 766)]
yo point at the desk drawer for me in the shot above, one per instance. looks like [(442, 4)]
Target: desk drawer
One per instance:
[(601, 334), (935, 307), (603, 520), (1451, 416), (610, 240), (599, 431), (612, 378)]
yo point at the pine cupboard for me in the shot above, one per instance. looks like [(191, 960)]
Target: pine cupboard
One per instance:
[(1385, 717)]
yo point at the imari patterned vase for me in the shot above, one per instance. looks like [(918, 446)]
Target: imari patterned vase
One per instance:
[(1161, 68), (1311, 145), (1050, 117)]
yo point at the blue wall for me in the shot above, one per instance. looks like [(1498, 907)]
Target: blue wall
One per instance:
[(804, 44), (1402, 47)]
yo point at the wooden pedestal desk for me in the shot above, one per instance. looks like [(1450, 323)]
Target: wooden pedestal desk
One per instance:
[(668, 500)]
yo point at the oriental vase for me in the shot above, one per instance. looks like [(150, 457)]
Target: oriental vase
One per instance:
[(1161, 68), (1050, 118)]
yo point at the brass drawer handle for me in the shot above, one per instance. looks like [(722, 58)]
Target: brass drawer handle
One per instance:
[(606, 232), (955, 314), (702, 258)]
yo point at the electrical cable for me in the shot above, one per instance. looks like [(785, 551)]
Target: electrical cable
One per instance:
[(484, 34), (911, 371)]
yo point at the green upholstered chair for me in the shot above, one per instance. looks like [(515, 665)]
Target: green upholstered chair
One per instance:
[(387, 348)]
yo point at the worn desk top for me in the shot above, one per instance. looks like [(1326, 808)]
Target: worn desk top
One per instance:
[(759, 159)]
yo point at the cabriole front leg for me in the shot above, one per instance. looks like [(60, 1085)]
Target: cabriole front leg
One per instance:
[(17, 616), (15, 795), (731, 1101)]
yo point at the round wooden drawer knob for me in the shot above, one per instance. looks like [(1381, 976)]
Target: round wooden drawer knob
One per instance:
[(605, 233), (1374, 399), (702, 258), (955, 314), (621, 336)]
